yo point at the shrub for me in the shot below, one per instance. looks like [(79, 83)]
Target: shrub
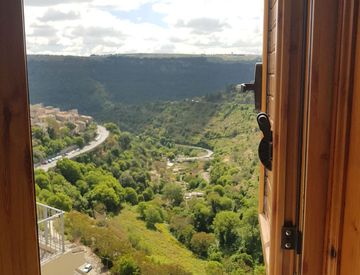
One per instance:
[(61, 201), (174, 193), (148, 194), (214, 268), (200, 243), (219, 189), (152, 216), (182, 229), (42, 179), (131, 195), (125, 265)]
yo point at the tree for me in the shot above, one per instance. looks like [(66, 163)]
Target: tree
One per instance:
[(226, 227), (106, 195), (219, 189), (125, 141), (250, 234), (131, 195), (174, 193), (39, 154), (195, 182), (51, 132), (70, 170), (70, 125), (225, 203), (126, 180), (181, 227), (125, 265), (141, 178), (112, 128), (87, 137), (202, 217), (148, 194), (42, 179), (38, 133), (82, 186), (225, 180), (141, 209), (240, 263), (44, 195), (79, 141), (55, 146), (152, 216), (200, 243), (213, 199), (61, 201)]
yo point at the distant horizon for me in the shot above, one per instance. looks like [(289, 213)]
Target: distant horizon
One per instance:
[(147, 54)]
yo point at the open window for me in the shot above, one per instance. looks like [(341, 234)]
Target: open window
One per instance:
[(308, 187)]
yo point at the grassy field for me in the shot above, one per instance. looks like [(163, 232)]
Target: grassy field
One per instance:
[(159, 244)]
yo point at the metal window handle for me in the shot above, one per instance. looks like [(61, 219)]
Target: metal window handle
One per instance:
[(256, 86), (265, 146)]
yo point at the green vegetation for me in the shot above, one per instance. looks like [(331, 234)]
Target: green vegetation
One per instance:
[(141, 213), (111, 82), (54, 139)]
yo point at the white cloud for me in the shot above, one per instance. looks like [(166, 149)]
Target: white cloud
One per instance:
[(122, 5), (84, 27), (48, 3), (203, 25), (56, 15)]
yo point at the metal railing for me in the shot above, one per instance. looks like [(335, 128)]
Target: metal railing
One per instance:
[(50, 231)]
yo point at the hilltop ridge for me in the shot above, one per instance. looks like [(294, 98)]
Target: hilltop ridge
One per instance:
[(95, 82)]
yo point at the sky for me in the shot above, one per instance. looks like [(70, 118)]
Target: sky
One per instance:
[(85, 27)]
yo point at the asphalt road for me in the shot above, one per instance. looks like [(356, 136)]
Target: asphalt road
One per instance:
[(102, 135), (207, 156)]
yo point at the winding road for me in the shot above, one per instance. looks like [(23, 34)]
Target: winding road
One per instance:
[(207, 156), (102, 135)]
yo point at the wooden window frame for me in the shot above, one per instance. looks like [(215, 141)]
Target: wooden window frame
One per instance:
[(19, 244), (347, 42), (18, 228), (287, 122), (330, 50), (330, 85)]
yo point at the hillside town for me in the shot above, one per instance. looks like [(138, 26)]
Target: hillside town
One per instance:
[(41, 116)]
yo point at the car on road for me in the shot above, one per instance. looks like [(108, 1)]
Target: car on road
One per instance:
[(87, 268)]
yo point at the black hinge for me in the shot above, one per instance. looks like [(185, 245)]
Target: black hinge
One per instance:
[(291, 238)]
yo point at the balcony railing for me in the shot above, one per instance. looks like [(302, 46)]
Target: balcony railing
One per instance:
[(50, 232)]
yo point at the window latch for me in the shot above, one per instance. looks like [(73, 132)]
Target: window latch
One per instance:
[(256, 86), (265, 146)]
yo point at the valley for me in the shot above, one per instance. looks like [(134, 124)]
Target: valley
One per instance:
[(172, 186), (166, 206)]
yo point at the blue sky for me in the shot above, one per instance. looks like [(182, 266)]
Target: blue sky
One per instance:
[(144, 14), (84, 27)]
